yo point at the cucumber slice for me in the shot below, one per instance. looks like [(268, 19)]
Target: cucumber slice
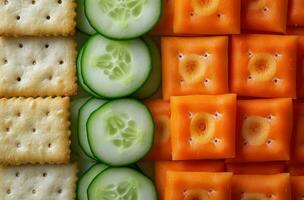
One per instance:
[(114, 69), (84, 112), (123, 19), (120, 132), (154, 81), (121, 183), (74, 109), (79, 75), (87, 178), (83, 24)]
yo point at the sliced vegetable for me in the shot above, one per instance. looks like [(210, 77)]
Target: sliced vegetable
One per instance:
[(161, 149), (262, 187), (123, 19), (161, 169), (87, 178), (84, 112), (120, 132), (121, 183), (115, 69), (75, 106), (82, 22), (79, 75), (264, 130), (203, 126)]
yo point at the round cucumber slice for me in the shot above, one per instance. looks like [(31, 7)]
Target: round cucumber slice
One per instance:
[(82, 22), (79, 76), (87, 178), (121, 183), (84, 112), (114, 69), (120, 132), (125, 19), (154, 81)]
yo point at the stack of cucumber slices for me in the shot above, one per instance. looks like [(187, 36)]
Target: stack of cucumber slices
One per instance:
[(115, 134), (116, 65)]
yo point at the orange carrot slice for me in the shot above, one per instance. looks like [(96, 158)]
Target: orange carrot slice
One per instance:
[(295, 13), (297, 187), (161, 169), (198, 185), (264, 129), (264, 15), (264, 65), (196, 65), (161, 149), (262, 187), (206, 16), (203, 127)]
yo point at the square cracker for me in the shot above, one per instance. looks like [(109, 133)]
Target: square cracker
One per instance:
[(37, 18), (36, 182), (34, 130), (43, 66)]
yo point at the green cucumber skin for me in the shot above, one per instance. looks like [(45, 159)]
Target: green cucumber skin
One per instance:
[(139, 93), (79, 75), (84, 174), (74, 110), (78, 138), (78, 124), (90, 30), (83, 162), (106, 170), (125, 38), (133, 161), (122, 96)]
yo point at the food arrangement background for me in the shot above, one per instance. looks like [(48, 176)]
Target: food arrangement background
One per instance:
[(176, 99)]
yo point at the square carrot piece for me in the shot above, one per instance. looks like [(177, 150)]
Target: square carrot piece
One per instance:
[(161, 149), (263, 168), (297, 147), (197, 65), (264, 129), (264, 65), (207, 16), (295, 13), (297, 187), (264, 15), (165, 23), (198, 185), (247, 187), (161, 169), (203, 126)]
